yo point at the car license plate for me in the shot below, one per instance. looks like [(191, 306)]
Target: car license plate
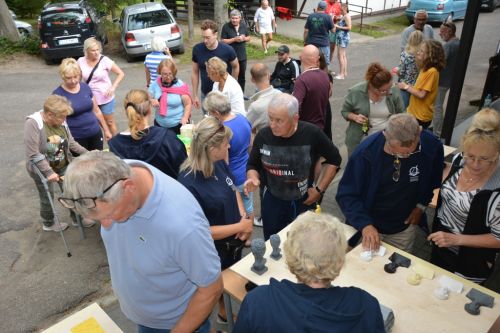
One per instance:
[(147, 46), (68, 41)]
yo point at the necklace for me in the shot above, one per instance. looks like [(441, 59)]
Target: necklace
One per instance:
[(309, 69)]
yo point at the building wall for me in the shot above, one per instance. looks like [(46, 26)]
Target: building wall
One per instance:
[(376, 5)]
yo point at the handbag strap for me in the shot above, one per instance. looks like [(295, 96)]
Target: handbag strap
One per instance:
[(93, 70)]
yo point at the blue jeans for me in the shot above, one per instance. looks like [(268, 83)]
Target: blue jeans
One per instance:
[(405, 96), (204, 328), (326, 51), (277, 214)]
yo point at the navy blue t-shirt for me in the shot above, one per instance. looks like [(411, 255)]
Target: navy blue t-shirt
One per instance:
[(82, 122), (201, 55), (318, 24), (395, 200), (216, 194)]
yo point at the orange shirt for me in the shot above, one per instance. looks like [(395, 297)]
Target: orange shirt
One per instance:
[(333, 9), (423, 109)]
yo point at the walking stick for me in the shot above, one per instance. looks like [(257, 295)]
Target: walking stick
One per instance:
[(45, 183)]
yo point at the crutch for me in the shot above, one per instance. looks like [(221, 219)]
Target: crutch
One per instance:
[(77, 216), (45, 183)]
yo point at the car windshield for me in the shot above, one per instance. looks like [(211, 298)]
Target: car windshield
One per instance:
[(63, 18), (148, 20)]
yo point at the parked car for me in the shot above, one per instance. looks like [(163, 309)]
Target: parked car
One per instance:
[(25, 29), (438, 10), (141, 22), (490, 5), (64, 26)]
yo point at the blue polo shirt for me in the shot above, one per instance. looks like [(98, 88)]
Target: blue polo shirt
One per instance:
[(161, 254)]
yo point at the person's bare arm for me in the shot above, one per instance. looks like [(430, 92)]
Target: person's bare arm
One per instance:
[(235, 68), (186, 101), (306, 32), (100, 118), (195, 81), (199, 308), (148, 76), (119, 77), (326, 176)]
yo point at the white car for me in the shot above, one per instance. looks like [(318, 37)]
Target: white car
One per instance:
[(25, 29), (141, 22)]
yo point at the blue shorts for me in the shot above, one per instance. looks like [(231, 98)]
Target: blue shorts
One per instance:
[(108, 108), (247, 200)]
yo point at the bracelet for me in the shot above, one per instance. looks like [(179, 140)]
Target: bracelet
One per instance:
[(319, 190)]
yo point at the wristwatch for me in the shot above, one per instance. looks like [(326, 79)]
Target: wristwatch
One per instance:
[(422, 207), (320, 191)]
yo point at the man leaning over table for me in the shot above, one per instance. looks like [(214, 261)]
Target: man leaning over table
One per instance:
[(389, 181), (164, 268)]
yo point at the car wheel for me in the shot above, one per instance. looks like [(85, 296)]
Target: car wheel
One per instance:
[(49, 61), (410, 19), (23, 33), (491, 6), (181, 49), (129, 57)]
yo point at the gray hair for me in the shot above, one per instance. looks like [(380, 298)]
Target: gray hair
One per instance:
[(235, 12), (90, 174), (422, 11), (285, 100), (402, 127), (217, 102), (315, 248), (158, 43)]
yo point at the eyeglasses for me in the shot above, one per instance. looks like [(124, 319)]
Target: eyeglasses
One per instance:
[(397, 169), (86, 202), (405, 155), (480, 159)]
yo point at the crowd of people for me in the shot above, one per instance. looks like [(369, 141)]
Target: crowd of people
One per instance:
[(172, 220)]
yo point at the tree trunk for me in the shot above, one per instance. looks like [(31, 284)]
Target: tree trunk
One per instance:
[(7, 26), (191, 20), (220, 13)]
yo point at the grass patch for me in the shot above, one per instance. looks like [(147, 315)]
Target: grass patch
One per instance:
[(29, 45), (287, 40), (377, 29)]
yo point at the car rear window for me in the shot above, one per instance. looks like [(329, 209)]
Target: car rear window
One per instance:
[(148, 19), (63, 18)]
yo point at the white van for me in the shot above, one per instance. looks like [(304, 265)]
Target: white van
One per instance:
[(140, 23)]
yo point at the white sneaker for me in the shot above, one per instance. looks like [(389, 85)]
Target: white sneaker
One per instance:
[(257, 221), (56, 227)]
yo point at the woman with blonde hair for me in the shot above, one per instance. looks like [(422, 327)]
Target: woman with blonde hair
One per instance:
[(50, 145), (226, 84), (152, 144), (170, 97), (207, 176), (408, 69), (430, 61), (466, 230), (315, 253), (86, 117), (95, 72)]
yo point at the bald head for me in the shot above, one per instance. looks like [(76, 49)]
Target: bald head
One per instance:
[(309, 56), (260, 73)]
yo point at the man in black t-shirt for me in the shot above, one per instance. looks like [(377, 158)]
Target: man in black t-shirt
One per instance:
[(235, 33), (286, 70), (282, 162)]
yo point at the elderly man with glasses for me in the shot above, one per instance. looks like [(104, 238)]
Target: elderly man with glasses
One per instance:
[(419, 23), (389, 181), (164, 268)]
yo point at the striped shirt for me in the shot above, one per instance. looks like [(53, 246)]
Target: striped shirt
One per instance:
[(152, 61)]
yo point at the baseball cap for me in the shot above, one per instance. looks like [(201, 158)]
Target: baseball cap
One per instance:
[(322, 5), (283, 49)]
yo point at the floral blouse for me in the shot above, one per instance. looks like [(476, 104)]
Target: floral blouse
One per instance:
[(408, 70)]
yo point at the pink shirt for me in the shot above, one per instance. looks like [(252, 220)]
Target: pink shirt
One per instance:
[(100, 82)]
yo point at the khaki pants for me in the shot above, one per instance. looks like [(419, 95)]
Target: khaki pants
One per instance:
[(402, 240)]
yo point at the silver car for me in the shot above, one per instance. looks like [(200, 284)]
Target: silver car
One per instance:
[(140, 23), (25, 29)]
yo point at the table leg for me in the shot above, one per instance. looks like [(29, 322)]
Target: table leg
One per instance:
[(229, 312)]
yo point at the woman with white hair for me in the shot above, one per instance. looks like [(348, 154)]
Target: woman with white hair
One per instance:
[(160, 52), (95, 72), (226, 84), (315, 253)]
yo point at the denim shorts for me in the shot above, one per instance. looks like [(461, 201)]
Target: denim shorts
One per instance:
[(108, 108), (247, 199)]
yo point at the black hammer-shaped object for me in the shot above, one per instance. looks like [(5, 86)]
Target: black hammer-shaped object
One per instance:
[(478, 299), (397, 260)]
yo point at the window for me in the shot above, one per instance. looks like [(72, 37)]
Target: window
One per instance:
[(148, 20)]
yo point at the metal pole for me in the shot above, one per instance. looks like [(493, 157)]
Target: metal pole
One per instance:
[(466, 39)]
